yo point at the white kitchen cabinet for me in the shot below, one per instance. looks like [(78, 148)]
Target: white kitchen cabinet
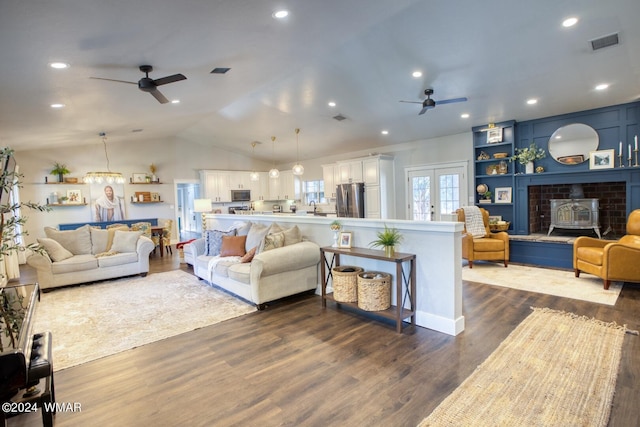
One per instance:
[(371, 171), (372, 202), (260, 189), (239, 180), (329, 178), (285, 187), (216, 185), (350, 171)]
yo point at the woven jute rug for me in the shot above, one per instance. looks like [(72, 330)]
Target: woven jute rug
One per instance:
[(100, 319), (554, 369)]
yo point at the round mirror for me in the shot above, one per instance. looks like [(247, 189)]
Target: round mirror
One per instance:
[(571, 144)]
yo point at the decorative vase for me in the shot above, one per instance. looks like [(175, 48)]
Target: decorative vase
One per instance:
[(529, 167), (389, 251), (60, 177), (335, 238)]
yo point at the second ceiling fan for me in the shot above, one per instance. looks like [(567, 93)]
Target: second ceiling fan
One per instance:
[(147, 84), (429, 103)]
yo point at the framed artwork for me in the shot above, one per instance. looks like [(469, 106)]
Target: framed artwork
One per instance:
[(74, 196), (494, 135), (494, 218), (155, 197), (571, 160), (107, 202), (503, 195), (602, 159), (345, 239), (138, 178)]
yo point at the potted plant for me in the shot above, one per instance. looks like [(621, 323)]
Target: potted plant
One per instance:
[(335, 226), (63, 199), (526, 156), (387, 239), (60, 170)]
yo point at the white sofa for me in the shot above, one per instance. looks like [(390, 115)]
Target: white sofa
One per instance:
[(88, 254), (271, 274)]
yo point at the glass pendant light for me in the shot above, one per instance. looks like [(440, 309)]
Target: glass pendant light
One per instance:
[(298, 169), (274, 172), (108, 176), (254, 176)]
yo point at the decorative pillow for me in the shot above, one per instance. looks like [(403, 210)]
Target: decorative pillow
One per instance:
[(292, 236), (273, 241), (77, 241), (248, 257), (54, 249), (242, 228), (99, 240), (233, 246), (213, 241), (125, 241), (255, 237)]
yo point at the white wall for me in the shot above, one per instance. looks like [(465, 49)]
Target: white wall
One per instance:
[(176, 159)]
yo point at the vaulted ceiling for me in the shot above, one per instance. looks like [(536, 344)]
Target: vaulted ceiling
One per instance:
[(359, 54)]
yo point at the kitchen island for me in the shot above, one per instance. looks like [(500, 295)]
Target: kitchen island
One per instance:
[(437, 246)]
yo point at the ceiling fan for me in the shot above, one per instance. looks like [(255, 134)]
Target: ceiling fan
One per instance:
[(147, 84), (429, 103)]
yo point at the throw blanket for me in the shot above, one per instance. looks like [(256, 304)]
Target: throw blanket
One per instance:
[(473, 222), (211, 265)]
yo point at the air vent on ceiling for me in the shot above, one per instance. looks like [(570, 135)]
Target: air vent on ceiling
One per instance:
[(220, 70), (606, 41), (339, 117)]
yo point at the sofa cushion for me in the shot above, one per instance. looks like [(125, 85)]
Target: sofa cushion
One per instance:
[(118, 259), (77, 241), (242, 229), (292, 236), (125, 241), (249, 255), (273, 241), (213, 241), (76, 263), (100, 240), (223, 265), (54, 249), (233, 246), (255, 237), (240, 272)]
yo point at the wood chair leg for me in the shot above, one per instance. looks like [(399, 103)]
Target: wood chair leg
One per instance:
[(470, 264), (607, 283), (577, 272), (506, 262)]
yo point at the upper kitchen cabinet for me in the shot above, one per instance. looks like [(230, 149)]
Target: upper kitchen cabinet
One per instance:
[(285, 187), (330, 175), (378, 186), (216, 185), (350, 171)]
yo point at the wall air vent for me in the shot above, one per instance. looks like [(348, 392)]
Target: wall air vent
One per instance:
[(220, 70), (606, 41), (339, 117)]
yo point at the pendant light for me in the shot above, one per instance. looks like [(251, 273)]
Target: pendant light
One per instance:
[(298, 169), (274, 172), (108, 176), (254, 176)]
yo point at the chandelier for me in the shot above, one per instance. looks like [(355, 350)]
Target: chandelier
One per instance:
[(100, 177), (274, 172), (254, 176), (298, 169)]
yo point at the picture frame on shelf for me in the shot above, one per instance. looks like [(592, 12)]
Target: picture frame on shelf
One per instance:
[(494, 218), (494, 135), (345, 239), (155, 197), (503, 195), (571, 160), (138, 178), (74, 197), (602, 159)]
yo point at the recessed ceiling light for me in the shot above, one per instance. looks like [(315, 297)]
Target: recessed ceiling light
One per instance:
[(280, 14), (175, 101), (331, 104), (570, 22), (464, 115), (57, 105), (385, 132), (602, 86), (59, 65), (532, 101), (417, 74)]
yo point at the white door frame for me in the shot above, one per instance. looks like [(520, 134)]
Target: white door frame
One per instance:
[(176, 182), (434, 167)]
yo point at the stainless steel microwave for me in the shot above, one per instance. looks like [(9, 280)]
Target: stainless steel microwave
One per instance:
[(240, 195)]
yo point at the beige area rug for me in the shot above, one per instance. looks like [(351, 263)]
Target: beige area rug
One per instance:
[(554, 369), (543, 280), (93, 321)]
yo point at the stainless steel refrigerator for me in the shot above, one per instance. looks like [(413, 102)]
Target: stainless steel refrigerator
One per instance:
[(350, 200)]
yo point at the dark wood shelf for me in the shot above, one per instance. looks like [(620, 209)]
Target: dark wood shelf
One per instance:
[(66, 204), (147, 203), (389, 313)]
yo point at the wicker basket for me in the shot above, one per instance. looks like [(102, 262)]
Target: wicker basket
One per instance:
[(345, 283), (374, 291), (499, 227)]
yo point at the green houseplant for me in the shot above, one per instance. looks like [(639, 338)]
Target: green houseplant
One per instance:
[(60, 170), (387, 239), (526, 156)]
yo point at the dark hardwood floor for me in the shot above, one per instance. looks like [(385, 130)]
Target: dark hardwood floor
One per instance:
[(296, 364)]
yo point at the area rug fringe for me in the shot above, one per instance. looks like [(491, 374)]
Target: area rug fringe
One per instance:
[(555, 368)]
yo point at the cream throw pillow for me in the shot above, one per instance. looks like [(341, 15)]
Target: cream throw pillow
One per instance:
[(273, 241), (77, 241), (54, 249), (125, 241), (292, 236)]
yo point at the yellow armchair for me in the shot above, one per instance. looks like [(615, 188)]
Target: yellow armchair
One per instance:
[(491, 247), (610, 260)]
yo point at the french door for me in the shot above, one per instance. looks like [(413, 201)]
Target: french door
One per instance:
[(435, 190)]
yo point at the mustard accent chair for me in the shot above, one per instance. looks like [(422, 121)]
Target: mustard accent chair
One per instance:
[(491, 247), (166, 236), (611, 260)]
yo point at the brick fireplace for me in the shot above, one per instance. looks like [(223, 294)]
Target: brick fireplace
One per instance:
[(612, 199)]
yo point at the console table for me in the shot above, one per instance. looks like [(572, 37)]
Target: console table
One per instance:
[(405, 281)]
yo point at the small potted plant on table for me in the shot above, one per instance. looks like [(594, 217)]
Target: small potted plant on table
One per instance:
[(387, 240)]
